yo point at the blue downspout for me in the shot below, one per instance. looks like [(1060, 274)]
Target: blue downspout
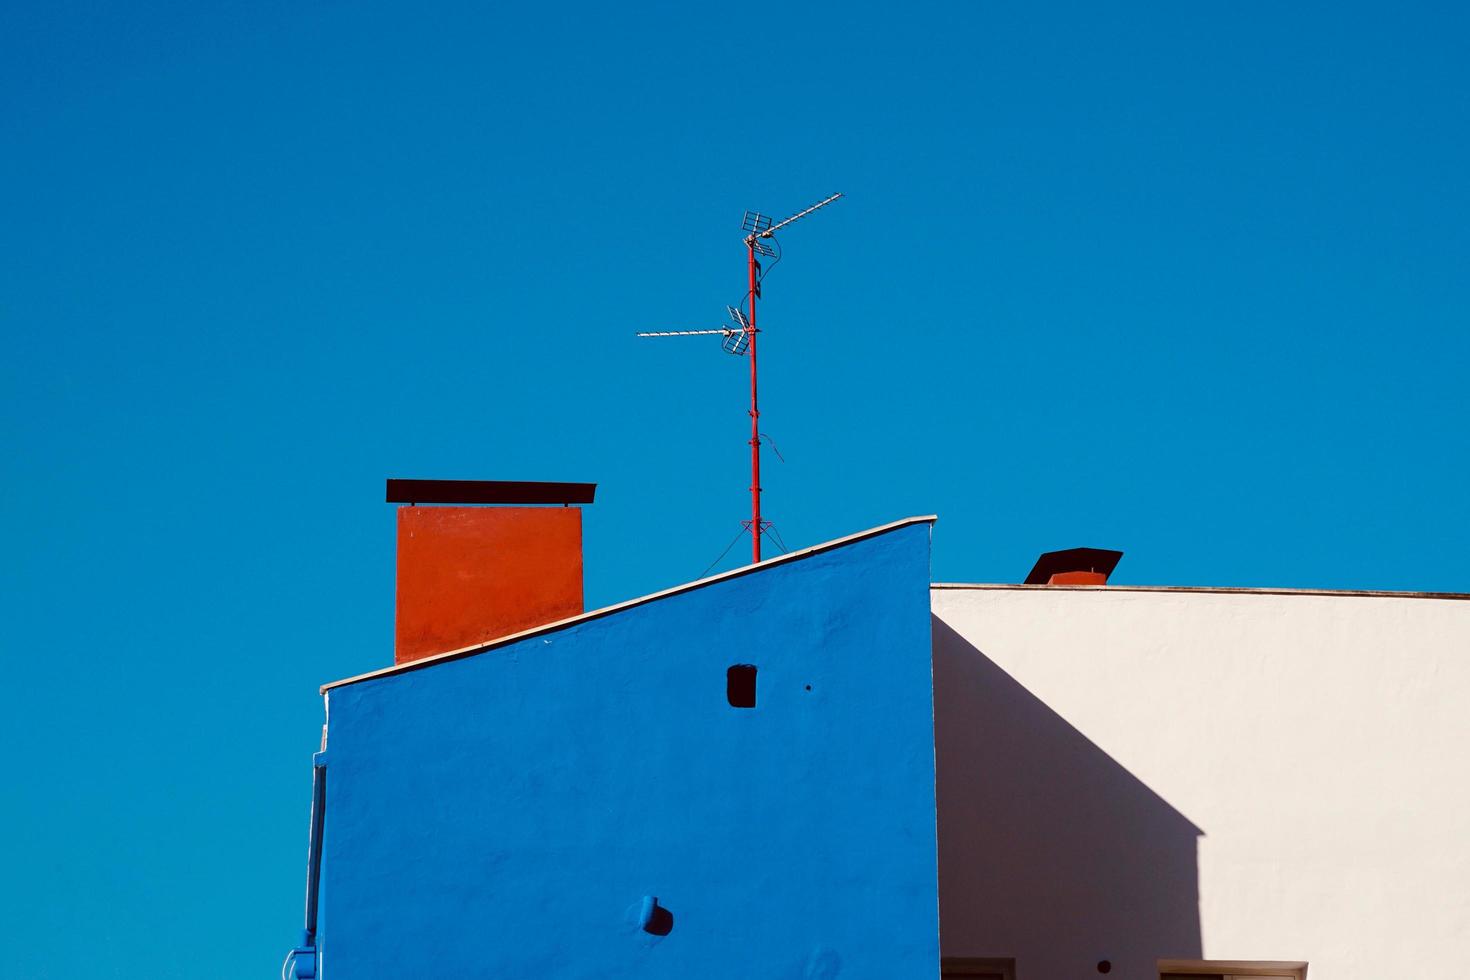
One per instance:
[(302, 960)]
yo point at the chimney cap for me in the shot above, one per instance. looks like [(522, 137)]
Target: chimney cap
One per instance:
[(1099, 560), (488, 492)]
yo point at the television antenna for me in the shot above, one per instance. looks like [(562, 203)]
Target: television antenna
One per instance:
[(739, 338)]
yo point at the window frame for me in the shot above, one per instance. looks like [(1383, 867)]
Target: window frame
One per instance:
[(977, 966), (1296, 969)]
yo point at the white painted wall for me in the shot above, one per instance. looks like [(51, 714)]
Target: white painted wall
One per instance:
[(1313, 750)]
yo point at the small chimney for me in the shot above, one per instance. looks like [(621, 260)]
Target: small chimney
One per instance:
[(487, 559), (1075, 566)]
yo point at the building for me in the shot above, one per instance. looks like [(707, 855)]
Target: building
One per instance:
[(731, 778), (824, 766), (1137, 774)]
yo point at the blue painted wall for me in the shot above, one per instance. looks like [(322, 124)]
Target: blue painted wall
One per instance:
[(504, 815)]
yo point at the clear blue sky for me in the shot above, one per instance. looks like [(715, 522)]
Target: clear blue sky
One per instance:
[(1189, 282)]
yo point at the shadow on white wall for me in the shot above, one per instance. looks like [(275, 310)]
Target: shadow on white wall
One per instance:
[(1049, 850)]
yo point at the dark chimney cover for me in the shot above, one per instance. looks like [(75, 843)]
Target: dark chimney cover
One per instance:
[(1073, 560), (488, 492)]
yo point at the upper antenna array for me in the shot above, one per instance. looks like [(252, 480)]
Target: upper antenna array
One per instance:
[(771, 229)]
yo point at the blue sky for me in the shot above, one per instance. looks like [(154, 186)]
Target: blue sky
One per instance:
[(1185, 281)]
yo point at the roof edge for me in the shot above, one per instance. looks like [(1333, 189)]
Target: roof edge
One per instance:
[(1223, 589), (561, 624)]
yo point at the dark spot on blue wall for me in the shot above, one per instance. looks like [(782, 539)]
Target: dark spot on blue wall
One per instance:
[(661, 923), (740, 686)]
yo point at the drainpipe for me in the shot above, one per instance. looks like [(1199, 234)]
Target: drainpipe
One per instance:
[(301, 962)]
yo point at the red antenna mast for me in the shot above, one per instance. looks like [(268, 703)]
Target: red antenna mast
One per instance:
[(740, 339)]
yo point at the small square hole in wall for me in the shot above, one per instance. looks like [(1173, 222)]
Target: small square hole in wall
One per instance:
[(740, 686)]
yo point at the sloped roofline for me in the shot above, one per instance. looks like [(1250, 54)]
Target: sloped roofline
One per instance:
[(629, 604)]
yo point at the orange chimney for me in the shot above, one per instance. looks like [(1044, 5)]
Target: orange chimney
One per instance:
[(473, 572), (1075, 566)]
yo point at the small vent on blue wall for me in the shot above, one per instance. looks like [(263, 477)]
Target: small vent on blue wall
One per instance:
[(740, 686)]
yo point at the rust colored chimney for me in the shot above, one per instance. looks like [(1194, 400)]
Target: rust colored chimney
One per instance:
[(1075, 566), (486, 565)]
